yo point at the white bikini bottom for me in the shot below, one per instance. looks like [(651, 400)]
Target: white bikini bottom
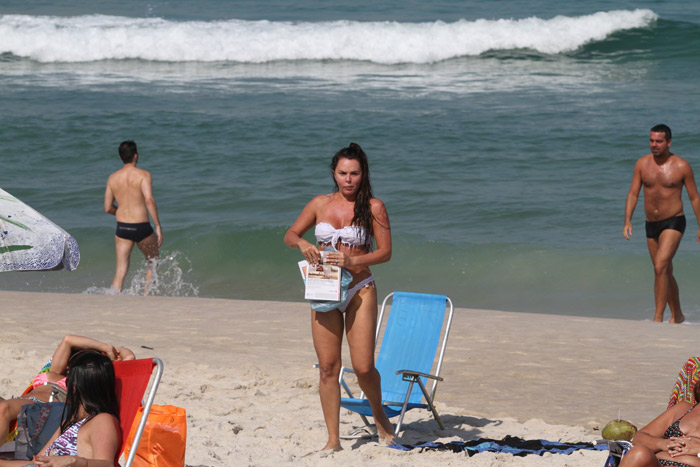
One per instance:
[(353, 290)]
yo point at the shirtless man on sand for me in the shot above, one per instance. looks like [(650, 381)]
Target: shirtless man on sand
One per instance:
[(663, 175), (132, 190)]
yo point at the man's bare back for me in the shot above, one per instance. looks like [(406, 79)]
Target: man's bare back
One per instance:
[(131, 188)]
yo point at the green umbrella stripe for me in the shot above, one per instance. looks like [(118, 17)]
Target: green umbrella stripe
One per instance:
[(17, 224), (7, 249)]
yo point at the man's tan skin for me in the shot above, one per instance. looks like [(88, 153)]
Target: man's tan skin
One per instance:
[(132, 190), (663, 176)]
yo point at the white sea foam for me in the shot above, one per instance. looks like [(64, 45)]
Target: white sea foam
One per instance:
[(168, 279), (91, 38)]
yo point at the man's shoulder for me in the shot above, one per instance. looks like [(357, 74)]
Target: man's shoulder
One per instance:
[(678, 160), (114, 175), (143, 172), (643, 161), (136, 173)]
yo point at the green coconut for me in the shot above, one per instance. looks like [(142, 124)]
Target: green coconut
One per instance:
[(619, 430)]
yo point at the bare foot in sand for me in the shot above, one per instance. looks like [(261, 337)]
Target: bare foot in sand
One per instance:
[(325, 452), (385, 431), (677, 320), (332, 447)]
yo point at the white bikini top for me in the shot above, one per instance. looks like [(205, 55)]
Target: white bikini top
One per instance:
[(350, 235)]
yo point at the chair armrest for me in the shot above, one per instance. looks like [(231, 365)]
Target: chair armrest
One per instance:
[(618, 448), (412, 374)]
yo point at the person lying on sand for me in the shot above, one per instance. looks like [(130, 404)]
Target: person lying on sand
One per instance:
[(41, 391), (671, 439)]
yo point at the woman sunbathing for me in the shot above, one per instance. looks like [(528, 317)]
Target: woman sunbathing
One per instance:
[(54, 381), (671, 439), (89, 433)]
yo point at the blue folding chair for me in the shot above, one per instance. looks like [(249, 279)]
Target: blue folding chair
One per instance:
[(413, 338)]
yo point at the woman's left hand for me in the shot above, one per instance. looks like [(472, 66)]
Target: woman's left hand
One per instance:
[(684, 446), (337, 258)]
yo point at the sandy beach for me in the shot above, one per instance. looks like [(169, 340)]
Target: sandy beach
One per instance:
[(243, 370)]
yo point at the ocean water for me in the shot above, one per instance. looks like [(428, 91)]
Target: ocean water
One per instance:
[(501, 136)]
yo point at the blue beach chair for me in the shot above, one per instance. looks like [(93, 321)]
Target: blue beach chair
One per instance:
[(414, 337)]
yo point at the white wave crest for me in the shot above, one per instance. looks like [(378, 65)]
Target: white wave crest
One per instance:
[(92, 38)]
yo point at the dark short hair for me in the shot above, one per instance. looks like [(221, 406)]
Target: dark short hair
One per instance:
[(661, 128), (127, 151)]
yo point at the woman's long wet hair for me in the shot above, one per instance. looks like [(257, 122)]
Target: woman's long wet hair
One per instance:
[(90, 384), (362, 216)]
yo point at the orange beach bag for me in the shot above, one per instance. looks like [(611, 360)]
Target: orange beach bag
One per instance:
[(164, 438)]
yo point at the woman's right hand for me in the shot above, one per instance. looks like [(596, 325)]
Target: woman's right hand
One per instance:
[(309, 251)]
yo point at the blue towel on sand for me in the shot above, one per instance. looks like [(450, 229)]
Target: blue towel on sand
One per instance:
[(510, 444)]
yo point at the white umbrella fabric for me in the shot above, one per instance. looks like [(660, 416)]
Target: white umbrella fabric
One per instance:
[(31, 242)]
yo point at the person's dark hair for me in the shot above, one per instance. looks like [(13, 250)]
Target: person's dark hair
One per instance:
[(661, 128), (696, 392), (127, 151), (363, 213), (90, 384)]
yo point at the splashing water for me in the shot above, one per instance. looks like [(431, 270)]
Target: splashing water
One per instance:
[(167, 279)]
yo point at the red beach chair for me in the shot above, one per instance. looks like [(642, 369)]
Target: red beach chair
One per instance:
[(132, 378)]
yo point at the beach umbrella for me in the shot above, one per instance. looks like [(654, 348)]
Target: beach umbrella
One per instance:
[(31, 242)]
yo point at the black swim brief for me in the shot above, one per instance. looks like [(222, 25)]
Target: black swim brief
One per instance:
[(654, 229), (133, 232)]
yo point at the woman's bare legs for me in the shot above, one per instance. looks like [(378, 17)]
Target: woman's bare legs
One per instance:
[(640, 456), (327, 333), (361, 322)]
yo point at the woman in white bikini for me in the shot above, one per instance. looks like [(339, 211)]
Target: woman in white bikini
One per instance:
[(347, 220)]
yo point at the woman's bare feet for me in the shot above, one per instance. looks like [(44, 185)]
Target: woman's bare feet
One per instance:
[(331, 446), (385, 431)]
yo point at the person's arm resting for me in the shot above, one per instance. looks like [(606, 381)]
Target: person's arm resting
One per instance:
[(59, 362)]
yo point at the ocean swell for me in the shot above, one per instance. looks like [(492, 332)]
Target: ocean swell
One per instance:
[(99, 37)]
